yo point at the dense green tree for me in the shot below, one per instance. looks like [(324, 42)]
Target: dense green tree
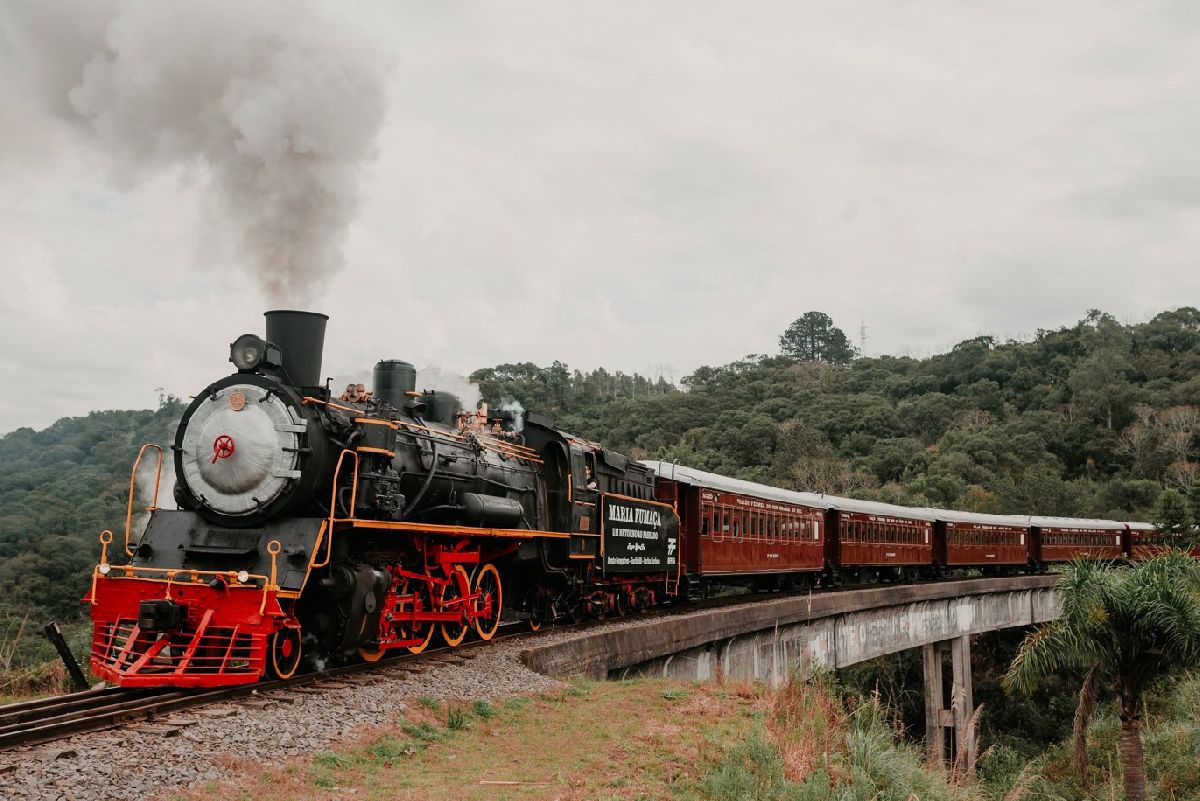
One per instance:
[(1099, 383), (814, 338), (1172, 514), (1128, 628)]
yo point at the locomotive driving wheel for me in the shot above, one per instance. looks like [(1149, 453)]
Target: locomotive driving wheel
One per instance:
[(283, 653), (487, 584), (394, 623), (459, 587)]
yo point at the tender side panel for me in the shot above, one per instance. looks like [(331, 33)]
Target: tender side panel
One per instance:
[(878, 540), (638, 536), (744, 534)]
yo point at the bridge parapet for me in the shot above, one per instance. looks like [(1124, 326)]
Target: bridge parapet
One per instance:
[(767, 637)]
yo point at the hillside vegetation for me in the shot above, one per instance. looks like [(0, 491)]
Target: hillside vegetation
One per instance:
[(1097, 419), (1094, 419)]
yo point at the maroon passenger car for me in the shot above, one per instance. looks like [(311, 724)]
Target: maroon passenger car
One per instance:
[(970, 539), (1145, 541), (730, 527), (892, 540), (1061, 539)]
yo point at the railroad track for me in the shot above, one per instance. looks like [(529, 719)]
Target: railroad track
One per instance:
[(47, 719)]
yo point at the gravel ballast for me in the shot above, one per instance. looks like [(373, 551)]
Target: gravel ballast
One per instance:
[(193, 747)]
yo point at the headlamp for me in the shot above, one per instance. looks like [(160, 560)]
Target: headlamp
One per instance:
[(250, 351)]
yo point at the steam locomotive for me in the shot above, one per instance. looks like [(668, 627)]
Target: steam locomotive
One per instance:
[(309, 525), (318, 528)]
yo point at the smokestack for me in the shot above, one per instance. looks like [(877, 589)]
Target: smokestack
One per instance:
[(301, 337)]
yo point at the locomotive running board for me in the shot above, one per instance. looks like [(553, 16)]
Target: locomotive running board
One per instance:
[(450, 531)]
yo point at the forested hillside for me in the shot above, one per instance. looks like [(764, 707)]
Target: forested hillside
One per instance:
[(59, 488), (1094, 419)]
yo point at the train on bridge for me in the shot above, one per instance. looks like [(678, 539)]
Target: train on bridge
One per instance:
[(311, 528)]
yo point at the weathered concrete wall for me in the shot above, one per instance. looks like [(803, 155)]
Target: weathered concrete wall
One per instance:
[(766, 639)]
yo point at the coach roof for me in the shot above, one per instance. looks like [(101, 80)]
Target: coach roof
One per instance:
[(955, 516), (699, 478), (1042, 521)]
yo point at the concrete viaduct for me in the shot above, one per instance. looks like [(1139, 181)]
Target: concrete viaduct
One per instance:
[(767, 638)]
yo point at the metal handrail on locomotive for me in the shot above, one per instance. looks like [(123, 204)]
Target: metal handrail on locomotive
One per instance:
[(314, 528)]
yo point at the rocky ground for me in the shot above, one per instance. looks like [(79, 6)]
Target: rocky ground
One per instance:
[(197, 746)]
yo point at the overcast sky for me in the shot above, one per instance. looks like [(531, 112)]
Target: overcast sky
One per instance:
[(641, 186)]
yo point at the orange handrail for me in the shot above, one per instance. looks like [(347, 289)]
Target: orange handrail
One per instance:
[(132, 479), (337, 471)]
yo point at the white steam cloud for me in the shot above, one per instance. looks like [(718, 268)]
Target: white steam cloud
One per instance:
[(280, 102), (518, 412)]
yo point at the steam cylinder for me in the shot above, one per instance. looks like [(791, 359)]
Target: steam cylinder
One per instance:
[(301, 337), (392, 379)]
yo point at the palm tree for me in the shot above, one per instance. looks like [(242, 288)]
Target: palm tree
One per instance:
[(1128, 627)]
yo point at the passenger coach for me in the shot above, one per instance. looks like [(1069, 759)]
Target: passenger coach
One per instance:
[(994, 543), (872, 540), (1061, 539), (735, 528)]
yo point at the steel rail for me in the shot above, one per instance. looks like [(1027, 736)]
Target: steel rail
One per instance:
[(47, 719)]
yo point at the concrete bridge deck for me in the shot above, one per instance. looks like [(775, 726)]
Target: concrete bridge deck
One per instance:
[(832, 628)]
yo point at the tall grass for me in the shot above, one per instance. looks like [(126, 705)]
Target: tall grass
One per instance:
[(810, 745)]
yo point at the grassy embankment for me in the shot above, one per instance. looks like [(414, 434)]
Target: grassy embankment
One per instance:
[(621, 740), (655, 739)]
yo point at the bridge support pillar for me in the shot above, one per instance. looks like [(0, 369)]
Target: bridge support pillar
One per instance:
[(957, 717)]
